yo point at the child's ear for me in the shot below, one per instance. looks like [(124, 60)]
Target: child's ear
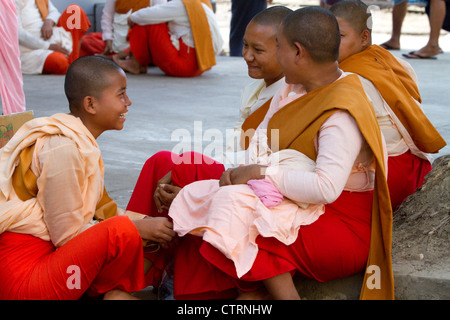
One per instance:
[(89, 104), (366, 38), (300, 50)]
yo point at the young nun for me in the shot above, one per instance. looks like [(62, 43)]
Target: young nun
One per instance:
[(324, 114), (259, 52), (391, 86), (61, 236)]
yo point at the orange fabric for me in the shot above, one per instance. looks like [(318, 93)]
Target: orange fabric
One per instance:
[(151, 44), (56, 63), (82, 25), (201, 33), (25, 185), (42, 6), (252, 122), (108, 255), (91, 44), (399, 90), (208, 3), (299, 122), (123, 6)]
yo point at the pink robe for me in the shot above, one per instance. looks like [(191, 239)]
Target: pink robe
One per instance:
[(11, 90)]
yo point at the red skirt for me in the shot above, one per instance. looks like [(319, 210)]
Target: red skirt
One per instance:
[(406, 173), (151, 45), (335, 246), (106, 256)]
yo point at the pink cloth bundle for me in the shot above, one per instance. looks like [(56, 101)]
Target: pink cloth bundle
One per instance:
[(266, 191)]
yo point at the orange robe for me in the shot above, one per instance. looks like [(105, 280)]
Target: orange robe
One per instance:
[(97, 258), (406, 171)]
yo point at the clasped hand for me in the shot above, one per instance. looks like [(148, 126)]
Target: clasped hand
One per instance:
[(242, 174), (158, 229), (165, 193)]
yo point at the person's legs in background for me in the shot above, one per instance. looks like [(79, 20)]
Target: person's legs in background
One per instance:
[(242, 11), (398, 15)]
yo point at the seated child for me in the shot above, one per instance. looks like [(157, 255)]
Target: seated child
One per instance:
[(55, 214), (391, 87)]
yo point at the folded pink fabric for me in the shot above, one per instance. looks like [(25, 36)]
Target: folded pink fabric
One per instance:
[(266, 191)]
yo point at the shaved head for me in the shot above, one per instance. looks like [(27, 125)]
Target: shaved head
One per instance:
[(355, 12), (316, 29), (87, 76), (271, 16)]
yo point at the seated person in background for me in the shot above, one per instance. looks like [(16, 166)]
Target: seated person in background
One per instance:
[(55, 215), (49, 41), (165, 173), (114, 36), (391, 87), (181, 37)]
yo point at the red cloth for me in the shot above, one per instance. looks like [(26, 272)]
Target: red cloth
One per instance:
[(91, 44), (151, 44), (186, 168), (406, 173), (109, 256), (334, 246), (75, 21), (56, 63)]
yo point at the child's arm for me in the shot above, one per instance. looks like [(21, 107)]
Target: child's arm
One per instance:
[(158, 229)]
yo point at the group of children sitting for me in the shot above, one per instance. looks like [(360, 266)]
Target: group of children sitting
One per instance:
[(353, 144)]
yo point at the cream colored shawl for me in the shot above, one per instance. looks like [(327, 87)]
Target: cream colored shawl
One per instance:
[(27, 216)]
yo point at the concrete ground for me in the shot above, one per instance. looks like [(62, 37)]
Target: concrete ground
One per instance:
[(178, 114)]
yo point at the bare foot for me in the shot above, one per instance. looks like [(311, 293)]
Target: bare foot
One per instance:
[(429, 51), (123, 55), (118, 295), (390, 45), (131, 65)]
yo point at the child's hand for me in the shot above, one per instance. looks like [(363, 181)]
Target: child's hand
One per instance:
[(165, 192), (158, 229), (164, 195), (240, 175)]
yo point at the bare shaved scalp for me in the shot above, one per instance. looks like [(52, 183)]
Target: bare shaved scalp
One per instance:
[(271, 16), (354, 12), (87, 76), (317, 30)]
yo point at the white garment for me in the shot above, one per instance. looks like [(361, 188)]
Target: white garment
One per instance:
[(115, 25), (34, 49), (398, 140), (174, 13)]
